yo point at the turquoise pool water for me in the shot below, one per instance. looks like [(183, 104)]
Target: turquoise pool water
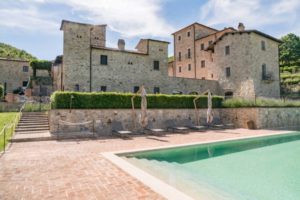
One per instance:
[(264, 168)]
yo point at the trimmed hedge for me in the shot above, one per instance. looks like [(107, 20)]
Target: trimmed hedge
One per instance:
[(109, 100), (1, 91)]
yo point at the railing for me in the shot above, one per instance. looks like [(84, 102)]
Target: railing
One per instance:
[(10, 128)]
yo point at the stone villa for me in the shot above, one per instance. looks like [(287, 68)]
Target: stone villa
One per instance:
[(228, 62), (14, 73)]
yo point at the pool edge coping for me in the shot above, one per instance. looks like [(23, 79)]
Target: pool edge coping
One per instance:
[(165, 190)]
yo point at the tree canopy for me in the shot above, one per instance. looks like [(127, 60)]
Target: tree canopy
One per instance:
[(13, 52), (290, 50)]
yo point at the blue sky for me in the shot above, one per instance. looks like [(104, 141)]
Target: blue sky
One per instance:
[(33, 25)]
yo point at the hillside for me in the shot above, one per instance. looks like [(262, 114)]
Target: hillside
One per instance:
[(13, 52)]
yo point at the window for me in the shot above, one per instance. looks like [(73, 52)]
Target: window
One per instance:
[(264, 71), (103, 88), (189, 53), (103, 59), (227, 50), (228, 95), (24, 84), (179, 37), (212, 75), (210, 42), (179, 56), (228, 73), (156, 65), (189, 67), (156, 90), (202, 46), (203, 78), (77, 87), (188, 34), (136, 89), (179, 69), (25, 68), (202, 63), (263, 45), (5, 87)]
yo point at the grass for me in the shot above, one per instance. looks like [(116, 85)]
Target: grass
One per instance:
[(6, 118), (260, 102), (36, 107)]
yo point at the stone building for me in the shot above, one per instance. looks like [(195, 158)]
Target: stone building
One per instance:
[(228, 62), (15, 73), (244, 62), (89, 65)]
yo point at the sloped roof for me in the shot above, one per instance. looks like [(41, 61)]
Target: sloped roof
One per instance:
[(196, 23)]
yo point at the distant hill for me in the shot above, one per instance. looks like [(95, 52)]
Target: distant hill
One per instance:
[(13, 52), (171, 59)]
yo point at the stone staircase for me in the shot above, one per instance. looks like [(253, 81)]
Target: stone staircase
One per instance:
[(33, 126)]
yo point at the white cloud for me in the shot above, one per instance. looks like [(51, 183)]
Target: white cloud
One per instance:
[(254, 13), (128, 17)]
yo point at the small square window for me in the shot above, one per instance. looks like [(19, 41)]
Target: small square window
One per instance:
[(202, 63), (136, 89), (228, 72), (189, 67), (77, 88), (203, 78), (210, 42), (25, 83), (202, 46), (188, 34), (227, 50), (103, 59), (263, 45), (103, 88), (25, 68), (156, 90), (156, 65), (179, 69), (179, 37)]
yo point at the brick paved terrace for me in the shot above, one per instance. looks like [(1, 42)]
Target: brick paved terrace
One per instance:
[(75, 169)]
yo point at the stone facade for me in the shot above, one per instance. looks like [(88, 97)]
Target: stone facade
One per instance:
[(208, 60), (123, 70), (14, 73)]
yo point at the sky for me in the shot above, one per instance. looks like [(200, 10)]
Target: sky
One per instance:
[(33, 25)]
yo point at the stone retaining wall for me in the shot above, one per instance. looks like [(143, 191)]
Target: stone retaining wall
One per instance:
[(263, 118), (104, 117)]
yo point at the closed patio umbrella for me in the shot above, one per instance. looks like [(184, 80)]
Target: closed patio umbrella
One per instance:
[(144, 118), (209, 108)]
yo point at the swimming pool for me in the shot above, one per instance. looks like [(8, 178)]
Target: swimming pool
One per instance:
[(259, 168)]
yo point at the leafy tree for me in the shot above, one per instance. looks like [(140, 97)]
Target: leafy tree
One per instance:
[(290, 50), (1, 91), (12, 52)]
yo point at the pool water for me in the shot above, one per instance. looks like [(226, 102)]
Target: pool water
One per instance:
[(263, 168)]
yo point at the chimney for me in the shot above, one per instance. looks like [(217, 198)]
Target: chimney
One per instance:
[(121, 44), (241, 27)]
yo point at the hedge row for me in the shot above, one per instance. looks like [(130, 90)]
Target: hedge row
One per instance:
[(107, 100)]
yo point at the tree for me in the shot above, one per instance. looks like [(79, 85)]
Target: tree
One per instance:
[(1, 91), (290, 50)]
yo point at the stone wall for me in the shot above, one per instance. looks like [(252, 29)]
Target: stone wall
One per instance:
[(104, 117), (263, 118), (11, 73)]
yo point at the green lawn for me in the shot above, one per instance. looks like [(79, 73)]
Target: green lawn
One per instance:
[(6, 118)]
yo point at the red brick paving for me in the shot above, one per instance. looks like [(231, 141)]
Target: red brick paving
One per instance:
[(76, 169)]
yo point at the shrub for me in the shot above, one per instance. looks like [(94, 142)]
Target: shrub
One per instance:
[(1, 92), (260, 102), (107, 100)]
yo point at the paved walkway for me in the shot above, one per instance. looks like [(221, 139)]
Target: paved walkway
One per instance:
[(76, 169)]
